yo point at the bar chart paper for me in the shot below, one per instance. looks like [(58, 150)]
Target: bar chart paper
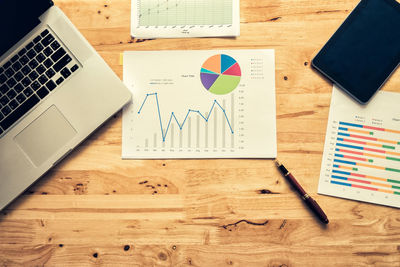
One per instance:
[(361, 159), (200, 104)]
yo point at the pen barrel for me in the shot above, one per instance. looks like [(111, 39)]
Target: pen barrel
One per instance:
[(313, 205), (293, 182)]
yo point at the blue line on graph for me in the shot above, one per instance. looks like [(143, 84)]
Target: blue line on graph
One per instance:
[(164, 133), (350, 124)]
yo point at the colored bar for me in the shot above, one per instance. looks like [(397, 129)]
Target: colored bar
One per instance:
[(340, 183), (341, 172), (371, 166), (365, 143), (351, 157), (350, 146), (343, 129), (344, 161), (369, 138), (360, 131), (350, 124)]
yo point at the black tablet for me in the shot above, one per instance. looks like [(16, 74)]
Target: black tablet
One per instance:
[(365, 50)]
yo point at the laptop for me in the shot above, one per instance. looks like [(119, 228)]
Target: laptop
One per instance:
[(54, 91)]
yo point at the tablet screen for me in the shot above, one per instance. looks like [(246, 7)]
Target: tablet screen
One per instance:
[(365, 50)]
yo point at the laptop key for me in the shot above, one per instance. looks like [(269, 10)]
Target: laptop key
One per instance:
[(42, 92), (3, 89), (1, 70), (11, 94), (6, 110), (40, 69), (50, 73), (18, 88), (33, 63), (74, 68), (22, 52), (26, 82), (31, 54), (33, 75), (48, 51), (29, 46), (39, 47), (25, 70), (65, 73), (14, 58), (40, 57), (28, 92), (48, 40), (44, 33), (23, 60), (16, 66), (1, 117), (35, 85), (58, 54), (3, 78), (11, 82), (55, 45), (51, 85), (20, 98), (4, 100), (60, 64), (7, 65), (48, 63), (19, 112), (13, 104), (9, 72), (18, 76), (59, 80), (37, 39), (43, 79)]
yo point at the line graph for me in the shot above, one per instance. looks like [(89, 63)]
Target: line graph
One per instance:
[(173, 116)]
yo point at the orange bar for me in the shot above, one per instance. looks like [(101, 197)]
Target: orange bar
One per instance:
[(371, 166), (376, 178), (345, 167), (387, 141), (386, 191), (392, 131), (375, 156), (393, 153), (358, 131), (383, 185), (372, 144)]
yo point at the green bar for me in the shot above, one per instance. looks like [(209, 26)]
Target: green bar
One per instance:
[(395, 187), (390, 147), (355, 169), (398, 143), (391, 169), (393, 158), (397, 193), (370, 160), (393, 181), (371, 133)]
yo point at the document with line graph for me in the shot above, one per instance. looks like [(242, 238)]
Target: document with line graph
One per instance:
[(361, 159), (200, 104), (184, 18)]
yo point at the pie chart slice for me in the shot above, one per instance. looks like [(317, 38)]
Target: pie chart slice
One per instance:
[(220, 74)]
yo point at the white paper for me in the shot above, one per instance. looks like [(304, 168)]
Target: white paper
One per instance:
[(362, 162), (180, 118), (184, 18)]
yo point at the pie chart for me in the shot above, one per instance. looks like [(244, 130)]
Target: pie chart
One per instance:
[(220, 74)]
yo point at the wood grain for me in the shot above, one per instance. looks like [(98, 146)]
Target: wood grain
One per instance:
[(95, 208)]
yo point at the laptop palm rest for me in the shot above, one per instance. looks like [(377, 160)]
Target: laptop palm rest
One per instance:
[(41, 139)]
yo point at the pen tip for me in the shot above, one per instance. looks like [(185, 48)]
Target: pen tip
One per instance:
[(277, 163)]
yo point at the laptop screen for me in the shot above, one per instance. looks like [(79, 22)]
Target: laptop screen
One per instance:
[(17, 18)]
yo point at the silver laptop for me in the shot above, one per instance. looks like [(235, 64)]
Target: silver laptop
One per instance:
[(54, 91)]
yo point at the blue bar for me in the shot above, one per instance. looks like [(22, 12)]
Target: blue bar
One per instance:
[(339, 139), (350, 124), (339, 155), (343, 129), (335, 166), (344, 134), (340, 183), (350, 146), (338, 177), (341, 172), (337, 149), (344, 161)]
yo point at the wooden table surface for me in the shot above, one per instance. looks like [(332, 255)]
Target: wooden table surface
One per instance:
[(95, 208)]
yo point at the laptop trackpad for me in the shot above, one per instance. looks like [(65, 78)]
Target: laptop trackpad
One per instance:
[(45, 136)]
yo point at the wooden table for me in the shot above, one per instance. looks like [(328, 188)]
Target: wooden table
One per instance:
[(95, 208)]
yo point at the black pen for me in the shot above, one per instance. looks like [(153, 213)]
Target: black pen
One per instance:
[(311, 203)]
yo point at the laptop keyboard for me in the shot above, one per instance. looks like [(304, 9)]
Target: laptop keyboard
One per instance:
[(30, 75)]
